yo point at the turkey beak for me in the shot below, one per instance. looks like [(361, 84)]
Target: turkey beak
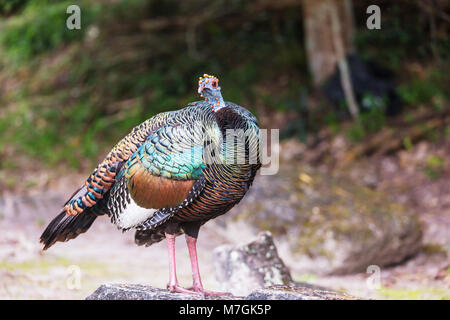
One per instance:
[(200, 89)]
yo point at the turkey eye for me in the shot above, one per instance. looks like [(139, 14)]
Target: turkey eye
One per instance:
[(214, 84)]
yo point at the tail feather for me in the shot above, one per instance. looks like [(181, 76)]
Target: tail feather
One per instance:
[(66, 227)]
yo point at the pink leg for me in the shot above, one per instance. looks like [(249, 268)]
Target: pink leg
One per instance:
[(197, 281), (173, 285)]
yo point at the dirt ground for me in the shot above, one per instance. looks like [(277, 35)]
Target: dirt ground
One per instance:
[(75, 269)]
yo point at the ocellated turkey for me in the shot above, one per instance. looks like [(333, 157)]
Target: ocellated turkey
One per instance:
[(169, 176)]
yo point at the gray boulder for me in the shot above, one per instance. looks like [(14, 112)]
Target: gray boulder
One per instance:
[(141, 292), (137, 292), (297, 292), (325, 224), (241, 269)]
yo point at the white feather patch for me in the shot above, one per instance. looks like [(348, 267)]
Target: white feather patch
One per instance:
[(133, 215)]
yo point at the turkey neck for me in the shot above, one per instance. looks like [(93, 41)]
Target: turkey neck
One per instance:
[(227, 118)]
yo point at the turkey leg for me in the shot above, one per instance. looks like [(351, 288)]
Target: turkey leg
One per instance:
[(173, 285), (197, 281)]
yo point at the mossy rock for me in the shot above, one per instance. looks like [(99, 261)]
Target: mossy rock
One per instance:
[(141, 292), (327, 225)]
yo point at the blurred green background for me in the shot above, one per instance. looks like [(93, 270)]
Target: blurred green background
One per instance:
[(67, 94)]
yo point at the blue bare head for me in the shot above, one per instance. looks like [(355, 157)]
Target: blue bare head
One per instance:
[(208, 88)]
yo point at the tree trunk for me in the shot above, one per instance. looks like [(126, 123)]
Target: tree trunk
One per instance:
[(329, 29), (320, 43)]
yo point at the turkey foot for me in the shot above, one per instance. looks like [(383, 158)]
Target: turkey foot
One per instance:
[(208, 292), (176, 288)]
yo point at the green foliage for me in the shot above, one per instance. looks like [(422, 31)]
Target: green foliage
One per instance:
[(332, 121), (433, 88), (80, 93), (371, 102), (77, 91), (52, 134), (9, 6), (407, 143), (369, 122), (433, 167), (404, 35), (356, 132), (41, 27)]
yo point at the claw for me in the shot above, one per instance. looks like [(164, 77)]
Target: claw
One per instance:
[(208, 292), (178, 289)]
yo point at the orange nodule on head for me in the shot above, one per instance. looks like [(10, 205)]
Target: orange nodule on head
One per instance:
[(207, 81), (208, 88), (207, 77)]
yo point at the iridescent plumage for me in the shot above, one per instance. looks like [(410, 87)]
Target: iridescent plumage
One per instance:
[(171, 174)]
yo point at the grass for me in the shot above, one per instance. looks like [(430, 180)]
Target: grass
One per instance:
[(434, 167), (40, 28), (53, 277), (305, 278), (422, 293), (46, 264), (429, 89)]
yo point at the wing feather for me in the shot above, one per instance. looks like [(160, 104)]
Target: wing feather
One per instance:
[(165, 173), (104, 176)]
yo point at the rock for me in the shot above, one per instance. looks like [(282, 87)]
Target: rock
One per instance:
[(141, 292), (325, 224), (296, 292), (137, 292), (241, 269)]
